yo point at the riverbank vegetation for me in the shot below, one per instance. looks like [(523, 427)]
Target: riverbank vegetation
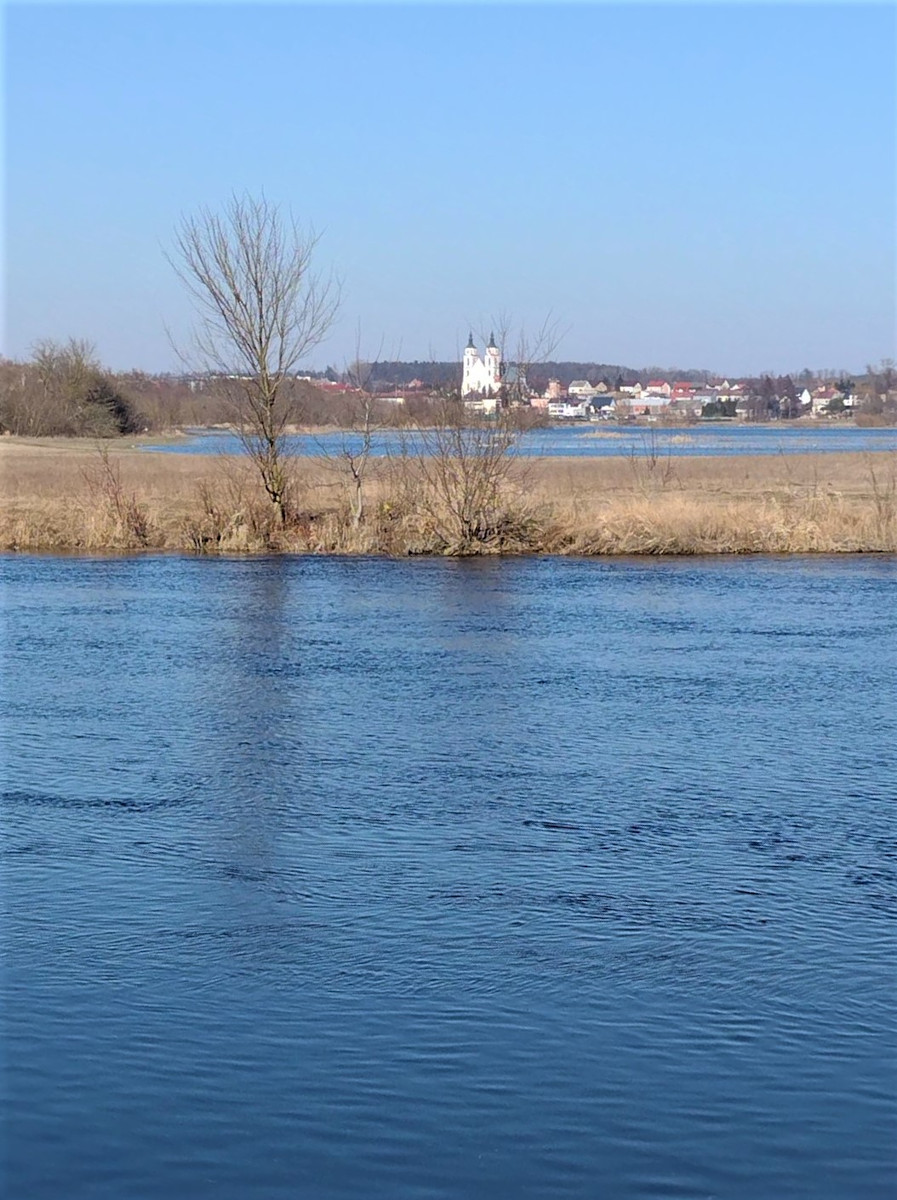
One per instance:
[(64, 390), (84, 496)]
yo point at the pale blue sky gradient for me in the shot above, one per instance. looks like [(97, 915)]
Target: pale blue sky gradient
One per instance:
[(693, 185)]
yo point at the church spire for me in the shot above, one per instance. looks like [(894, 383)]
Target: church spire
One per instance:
[(492, 345), (470, 345)]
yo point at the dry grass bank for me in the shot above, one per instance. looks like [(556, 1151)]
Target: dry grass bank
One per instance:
[(58, 495), (826, 503)]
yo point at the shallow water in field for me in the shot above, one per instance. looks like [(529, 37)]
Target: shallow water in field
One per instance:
[(597, 441), (403, 879)]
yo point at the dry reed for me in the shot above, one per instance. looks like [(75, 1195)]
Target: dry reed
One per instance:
[(59, 496)]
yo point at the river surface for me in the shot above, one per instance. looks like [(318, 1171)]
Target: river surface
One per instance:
[(434, 879), (582, 441)]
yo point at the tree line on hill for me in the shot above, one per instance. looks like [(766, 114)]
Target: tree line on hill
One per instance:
[(389, 375), (392, 375)]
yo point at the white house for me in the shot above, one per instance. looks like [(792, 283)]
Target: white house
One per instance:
[(568, 410), (582, 388)]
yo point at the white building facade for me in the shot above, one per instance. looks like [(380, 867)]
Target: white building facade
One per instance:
[(481, 377)]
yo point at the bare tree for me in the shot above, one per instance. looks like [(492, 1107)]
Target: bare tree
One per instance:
[(522, 347), (879, 388), (261, 309), (65, 391), (65, 372)]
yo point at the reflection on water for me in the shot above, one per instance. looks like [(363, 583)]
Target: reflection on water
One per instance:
[(356, 878)]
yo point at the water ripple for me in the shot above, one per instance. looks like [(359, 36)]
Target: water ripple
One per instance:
[(436, 879)]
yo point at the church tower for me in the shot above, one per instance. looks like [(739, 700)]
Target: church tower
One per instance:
[(493, 366), (469, 381)]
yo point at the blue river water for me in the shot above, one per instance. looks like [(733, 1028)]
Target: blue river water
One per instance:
[(598, 441), (432, 879)]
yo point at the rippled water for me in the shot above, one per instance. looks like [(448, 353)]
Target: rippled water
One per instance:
[(588, 442), (350, 878)]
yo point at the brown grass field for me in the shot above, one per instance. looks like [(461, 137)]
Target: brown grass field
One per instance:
[(70, 495)]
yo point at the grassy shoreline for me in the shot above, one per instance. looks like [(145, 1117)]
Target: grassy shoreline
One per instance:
[(61, 495)]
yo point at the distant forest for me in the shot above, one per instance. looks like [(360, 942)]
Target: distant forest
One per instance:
[(447, 374)]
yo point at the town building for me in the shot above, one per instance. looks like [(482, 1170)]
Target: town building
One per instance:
[(575, 410), (582, 389), (481, 377), (658, 387), (644, 405), (821, 400)]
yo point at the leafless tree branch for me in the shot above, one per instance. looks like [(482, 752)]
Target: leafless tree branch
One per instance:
[(261, 309)]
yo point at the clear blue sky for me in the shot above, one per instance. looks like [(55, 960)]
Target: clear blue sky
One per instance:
[(693, 185)]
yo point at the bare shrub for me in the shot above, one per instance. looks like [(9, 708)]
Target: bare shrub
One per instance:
[(118, 505), (652, 463), (462, 466), (359, 419), (882, 476)]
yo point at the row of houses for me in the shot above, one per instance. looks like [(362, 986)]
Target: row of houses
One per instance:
[(583, 400), (655, 389)]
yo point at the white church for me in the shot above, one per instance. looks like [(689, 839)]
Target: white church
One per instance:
[(481, 379)]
